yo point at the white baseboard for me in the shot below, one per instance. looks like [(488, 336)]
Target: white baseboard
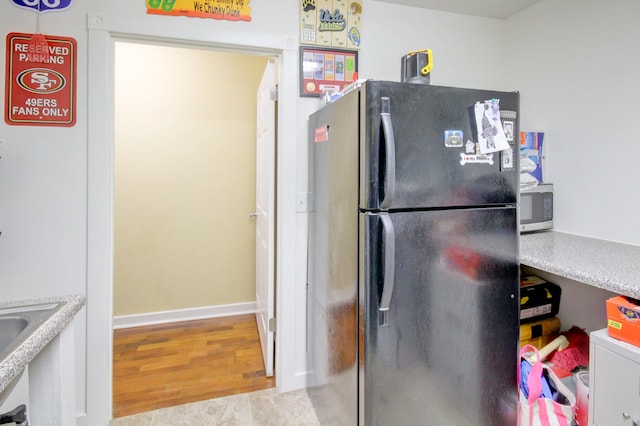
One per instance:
[(81, 419), (151, 318)]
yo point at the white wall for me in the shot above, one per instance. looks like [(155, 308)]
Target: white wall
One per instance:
[(43, 186), (43, 171), (185, 178), (467, 51), (575, 64)]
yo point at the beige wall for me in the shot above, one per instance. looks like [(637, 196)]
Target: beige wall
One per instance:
[(185, 178)]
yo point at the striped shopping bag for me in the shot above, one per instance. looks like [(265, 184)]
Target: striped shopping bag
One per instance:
[(544, 399)]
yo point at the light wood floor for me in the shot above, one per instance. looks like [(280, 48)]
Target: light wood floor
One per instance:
[(171, 364)]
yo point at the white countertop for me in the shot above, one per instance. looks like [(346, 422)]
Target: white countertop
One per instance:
[(18, 360), (605, 264)]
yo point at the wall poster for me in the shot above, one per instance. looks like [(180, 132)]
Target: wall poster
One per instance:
[(326, 69), (331, 23), (229, 10), (40, 93)]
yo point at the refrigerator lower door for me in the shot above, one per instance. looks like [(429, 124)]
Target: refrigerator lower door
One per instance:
[(444, 351)]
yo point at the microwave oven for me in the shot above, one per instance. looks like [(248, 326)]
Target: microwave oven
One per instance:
[(536, 208)]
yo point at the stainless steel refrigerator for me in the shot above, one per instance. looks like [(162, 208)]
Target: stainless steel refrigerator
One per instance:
[(413, 283)]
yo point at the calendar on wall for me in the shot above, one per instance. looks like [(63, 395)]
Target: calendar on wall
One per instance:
[(326, 69)]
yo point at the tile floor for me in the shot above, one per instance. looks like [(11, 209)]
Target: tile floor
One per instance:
[(261, 408)]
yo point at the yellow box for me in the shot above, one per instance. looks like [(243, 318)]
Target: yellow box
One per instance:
[(539, 342), (539, 333), (538, 298)]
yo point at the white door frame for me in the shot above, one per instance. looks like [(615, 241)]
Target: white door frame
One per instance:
[(104, 31)]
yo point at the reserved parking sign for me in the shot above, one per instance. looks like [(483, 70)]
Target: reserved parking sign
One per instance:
[(40, 93)]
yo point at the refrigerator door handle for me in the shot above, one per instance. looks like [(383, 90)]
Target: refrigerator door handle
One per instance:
[(389, 144), (389, 247)]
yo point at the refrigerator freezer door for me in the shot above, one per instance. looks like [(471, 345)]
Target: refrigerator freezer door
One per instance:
[(433, 161), (447, 351)]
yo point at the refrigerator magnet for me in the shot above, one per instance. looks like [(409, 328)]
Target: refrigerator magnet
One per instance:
[(475, 159), (470, 147), (321, 134), (453, 138), (506, 159), (508, 126), (490, 132)]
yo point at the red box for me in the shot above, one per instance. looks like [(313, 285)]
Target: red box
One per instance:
[(623, 320)]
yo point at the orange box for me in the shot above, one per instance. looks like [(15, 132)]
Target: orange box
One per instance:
[(623, 320)]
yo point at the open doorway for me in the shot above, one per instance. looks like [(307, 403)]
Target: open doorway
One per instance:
[(184, 183), (104, 31)]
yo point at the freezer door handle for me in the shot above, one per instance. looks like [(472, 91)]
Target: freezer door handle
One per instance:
[(390, 154), (389, 249)]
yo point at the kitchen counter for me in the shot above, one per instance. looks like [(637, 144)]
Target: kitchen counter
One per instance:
[(18, 360), (604, 264)]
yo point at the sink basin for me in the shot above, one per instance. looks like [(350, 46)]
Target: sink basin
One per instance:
[(17, 324), (10, 329)]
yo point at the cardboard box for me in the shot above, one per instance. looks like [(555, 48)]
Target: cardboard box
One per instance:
[(538, 298), (623, 319), (531, 148)]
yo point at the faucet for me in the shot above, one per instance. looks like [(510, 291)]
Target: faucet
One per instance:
[(18, 416)]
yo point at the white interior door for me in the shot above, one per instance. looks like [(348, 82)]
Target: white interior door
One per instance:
[(265, 213)]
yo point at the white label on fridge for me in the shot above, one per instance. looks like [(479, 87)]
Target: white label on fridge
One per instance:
[(472, 158)]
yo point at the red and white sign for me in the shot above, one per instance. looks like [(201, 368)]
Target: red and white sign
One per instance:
[(40, 93), (321, 134)]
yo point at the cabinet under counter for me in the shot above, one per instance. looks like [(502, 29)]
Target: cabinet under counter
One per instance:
[(614, 381)]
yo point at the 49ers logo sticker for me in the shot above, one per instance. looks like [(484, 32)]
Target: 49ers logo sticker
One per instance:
[(40, 93), (41, 80)]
